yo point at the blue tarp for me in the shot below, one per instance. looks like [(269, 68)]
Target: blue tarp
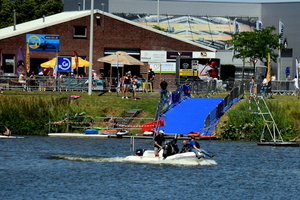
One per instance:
[(189, 115)]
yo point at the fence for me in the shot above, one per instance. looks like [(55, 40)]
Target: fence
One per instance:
[(199, 87)]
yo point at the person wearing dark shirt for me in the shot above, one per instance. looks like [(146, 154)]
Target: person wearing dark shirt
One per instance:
[(186, 147), (163, 89), (151, 76), (159, 139)]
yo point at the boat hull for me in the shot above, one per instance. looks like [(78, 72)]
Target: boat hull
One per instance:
[(188, 158), (10, 137)]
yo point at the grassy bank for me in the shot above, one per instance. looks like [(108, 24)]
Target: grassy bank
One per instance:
[(238, 123), (27, 113)]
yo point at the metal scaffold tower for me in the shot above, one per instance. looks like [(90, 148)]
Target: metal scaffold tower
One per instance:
[(269, 122)]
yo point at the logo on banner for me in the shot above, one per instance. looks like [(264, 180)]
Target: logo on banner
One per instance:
[(64, 64)]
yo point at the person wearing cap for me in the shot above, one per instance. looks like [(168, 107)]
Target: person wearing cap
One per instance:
[(212, 72), (158, 140)]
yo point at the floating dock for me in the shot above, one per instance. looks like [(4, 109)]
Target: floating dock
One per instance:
[(279, 144)]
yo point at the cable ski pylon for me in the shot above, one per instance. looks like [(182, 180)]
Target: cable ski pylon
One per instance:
[(258, 106)]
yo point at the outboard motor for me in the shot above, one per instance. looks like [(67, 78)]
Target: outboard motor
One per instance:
[(140, 152)]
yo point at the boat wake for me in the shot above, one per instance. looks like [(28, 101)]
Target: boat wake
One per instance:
[(82, 158)]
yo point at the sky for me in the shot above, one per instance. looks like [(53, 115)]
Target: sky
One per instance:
[(249, 1)]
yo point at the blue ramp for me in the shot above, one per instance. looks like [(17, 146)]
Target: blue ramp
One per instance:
[(189, 115)]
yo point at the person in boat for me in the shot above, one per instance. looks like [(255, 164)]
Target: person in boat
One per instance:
[(158, 140), (195, 147), (186, 147), (7, 131)]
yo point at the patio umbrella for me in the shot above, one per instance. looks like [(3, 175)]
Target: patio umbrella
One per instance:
[(81, 63), (120, 57)]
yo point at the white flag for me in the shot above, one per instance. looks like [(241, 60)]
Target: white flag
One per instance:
[(236, 27), (281, 30), (259, 25), (297, 74)]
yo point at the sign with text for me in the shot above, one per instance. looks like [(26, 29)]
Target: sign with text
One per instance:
[(153, 56), (37, 42)]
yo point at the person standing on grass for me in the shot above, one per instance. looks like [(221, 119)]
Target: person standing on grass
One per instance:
[(134, 89), (252, 82), (126, 85), (296, 85), (163, 89)]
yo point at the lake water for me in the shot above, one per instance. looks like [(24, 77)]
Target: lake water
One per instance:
[(92, 168)]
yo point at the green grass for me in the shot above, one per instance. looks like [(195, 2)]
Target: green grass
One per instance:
[(28, 113)]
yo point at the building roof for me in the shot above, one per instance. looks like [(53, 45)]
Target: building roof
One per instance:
[(71, 15)]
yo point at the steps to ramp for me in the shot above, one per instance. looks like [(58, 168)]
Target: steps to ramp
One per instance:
[(129, 116)]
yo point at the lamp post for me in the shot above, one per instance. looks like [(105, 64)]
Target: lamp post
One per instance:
[(102, 4), (157, 12), (91, 47)]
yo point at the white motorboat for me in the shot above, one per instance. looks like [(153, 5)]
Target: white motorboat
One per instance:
[(167, 156), (188, 158)]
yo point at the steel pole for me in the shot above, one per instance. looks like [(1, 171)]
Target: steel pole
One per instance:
[(91, 47)]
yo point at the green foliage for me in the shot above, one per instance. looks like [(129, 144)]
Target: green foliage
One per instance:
[(29, 116), (159, 28), (240, 124), (257, 44), (27, 10)]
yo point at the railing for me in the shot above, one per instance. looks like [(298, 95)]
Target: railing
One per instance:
[(199, 87), (80, 123)]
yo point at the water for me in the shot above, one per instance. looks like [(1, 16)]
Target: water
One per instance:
[(92, 168)]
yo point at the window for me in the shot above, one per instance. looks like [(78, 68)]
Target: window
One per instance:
[(79, 31)]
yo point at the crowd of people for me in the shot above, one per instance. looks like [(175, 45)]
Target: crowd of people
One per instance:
[(191, 146)]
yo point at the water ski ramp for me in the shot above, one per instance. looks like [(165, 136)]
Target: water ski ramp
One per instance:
[(189, 115)]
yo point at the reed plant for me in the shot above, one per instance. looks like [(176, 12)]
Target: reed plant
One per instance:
[(30, 114), (238, 123)]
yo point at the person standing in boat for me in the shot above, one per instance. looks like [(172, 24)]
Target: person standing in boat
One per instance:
[(197, 150), (7, 131), (158, 140)]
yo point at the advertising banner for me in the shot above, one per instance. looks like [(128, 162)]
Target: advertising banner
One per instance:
[(37, 42)]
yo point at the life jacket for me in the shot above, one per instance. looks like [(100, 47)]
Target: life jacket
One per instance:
[(213, 72)]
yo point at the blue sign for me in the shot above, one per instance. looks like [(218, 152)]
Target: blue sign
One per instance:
[(287, 71), (64, 64), (37, 42)]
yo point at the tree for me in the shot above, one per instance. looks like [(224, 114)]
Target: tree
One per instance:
[(257, 44), (27, 10), (6, 13)]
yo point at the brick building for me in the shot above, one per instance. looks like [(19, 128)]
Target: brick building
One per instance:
[(111, 34)]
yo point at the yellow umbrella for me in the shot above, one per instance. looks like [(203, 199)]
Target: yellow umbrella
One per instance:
[(120, 57), (81, 63)]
